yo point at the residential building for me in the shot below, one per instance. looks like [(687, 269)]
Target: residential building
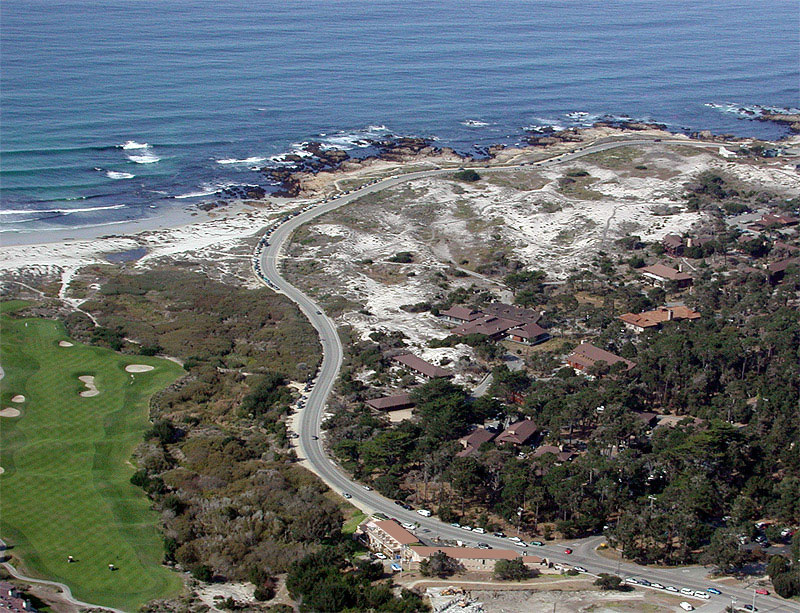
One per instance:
[(673, 245), (585, 355), (13, 601), (388, 537), (518, 433), (459, 314), (474, 559), (777, 270), (391, 403), (529, 334), (421, 367), (661, 275), (472, 441), (653, 320), (775, 220)]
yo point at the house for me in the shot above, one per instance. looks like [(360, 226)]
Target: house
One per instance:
[(518, 433), (584, 356), (648, 418), (777, 270), (673, 245), (772, 220), (489, 325), (14, 601), (472, 441), (561, 456), (652, 320), (387, 537), (391, 403), (472, 558), (509, 311), (529, 334), (459, 314), (661, 275), (421, 367)]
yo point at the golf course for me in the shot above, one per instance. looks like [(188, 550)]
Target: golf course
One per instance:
[(70, 418)]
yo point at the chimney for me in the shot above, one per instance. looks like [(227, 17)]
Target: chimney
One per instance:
[(670, 314)]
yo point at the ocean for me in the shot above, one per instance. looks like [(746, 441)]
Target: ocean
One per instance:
[(126, 109)]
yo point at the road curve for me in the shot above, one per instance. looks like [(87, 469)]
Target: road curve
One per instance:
[(267, 268)]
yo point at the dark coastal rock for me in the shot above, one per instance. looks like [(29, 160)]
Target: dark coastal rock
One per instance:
[(624, 124), (792, 120), (547, 135)]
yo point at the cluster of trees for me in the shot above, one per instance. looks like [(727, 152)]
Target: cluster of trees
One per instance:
[(326, 582)]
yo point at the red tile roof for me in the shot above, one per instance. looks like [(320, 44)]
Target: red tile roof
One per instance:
[(518, 433), (421, 366), (586, 355), (477, 437), (530, 330), (388, 403), (469, 553), (462, 313), (397, 532), (650, 319)]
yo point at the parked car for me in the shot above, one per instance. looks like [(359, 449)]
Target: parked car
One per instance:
[(537, 543), (568, 550), (424, 512), (380, 556), (479, 530), (686, 606), (749, 607), (762, 591), (468, 528), (713, 590), (455, 524), (499, 535), (703, 595), (346, 495), (671, 588), (580, 569)]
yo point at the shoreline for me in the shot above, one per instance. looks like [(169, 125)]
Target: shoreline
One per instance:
[(193, 229)]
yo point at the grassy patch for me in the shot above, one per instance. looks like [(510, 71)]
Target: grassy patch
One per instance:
[(353, 523), (578, 187), (617, 159), (66, 488)]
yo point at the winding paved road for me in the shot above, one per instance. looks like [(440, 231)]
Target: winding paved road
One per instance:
[(268, 257)]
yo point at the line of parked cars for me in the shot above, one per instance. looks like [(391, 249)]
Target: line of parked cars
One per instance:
[(702, 594)]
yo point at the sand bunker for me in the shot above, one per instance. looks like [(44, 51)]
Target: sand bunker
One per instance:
[(2, 470), (18, 398), (10, 412), (64, 344), (138, 368), (91, 388)]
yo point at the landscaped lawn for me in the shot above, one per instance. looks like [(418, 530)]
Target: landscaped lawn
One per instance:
[(67, 460)]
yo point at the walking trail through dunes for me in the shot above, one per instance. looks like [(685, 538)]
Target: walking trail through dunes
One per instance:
[(64, 344), (19, 398), (91, 388), (10, 412), (138, 368)]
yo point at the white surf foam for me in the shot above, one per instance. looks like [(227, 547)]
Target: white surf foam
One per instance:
[(251, 160), (132, 144), (474, 123), (206, 189), (144, 158), (113, 174), (62, 211)]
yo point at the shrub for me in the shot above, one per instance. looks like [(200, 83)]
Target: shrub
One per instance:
[(402, 257), (469, 175), (511, 570)]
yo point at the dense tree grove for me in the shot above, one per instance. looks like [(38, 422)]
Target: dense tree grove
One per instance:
[(680, 492)]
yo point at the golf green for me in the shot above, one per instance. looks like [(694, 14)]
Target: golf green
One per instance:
[(65, 490)]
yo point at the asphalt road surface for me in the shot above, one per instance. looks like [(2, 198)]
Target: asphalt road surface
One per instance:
[(267, 264)]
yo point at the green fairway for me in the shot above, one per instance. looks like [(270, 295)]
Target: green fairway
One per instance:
[(67, 460)]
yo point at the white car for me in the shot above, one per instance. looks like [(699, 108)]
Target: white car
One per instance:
[(468, 528), (703, 595), (424, 512), (408, 526), (380, 556), (687, 592), (670, 588), (658, 586), (479, 530), (516, 539), (686, 606)]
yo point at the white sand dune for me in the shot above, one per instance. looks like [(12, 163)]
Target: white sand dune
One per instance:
[(19, 398), (10, 412), (138, 368), (91, 388), (64, 344)]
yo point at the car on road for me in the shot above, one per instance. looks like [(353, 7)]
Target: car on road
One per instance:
[(499, 535), (408, 526), (398, 503), (455, 524), (424, 512), (408, 507), (484, 546), (762, 591), (380, 556), (749, 607), (713, 590), (537, 543), (703, 595), (658, 586), (479, 530), (468, 528), (516, 539), (319, 312), (314, 438), (687, 592), (568, 550), (671, 588), (346, 495), (580, 569), (367, 487), (686, 606)]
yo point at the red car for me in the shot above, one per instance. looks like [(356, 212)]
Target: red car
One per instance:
[(762, 591), (568, 550)]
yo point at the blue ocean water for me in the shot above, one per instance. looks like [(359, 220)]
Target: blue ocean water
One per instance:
[(112, 110)]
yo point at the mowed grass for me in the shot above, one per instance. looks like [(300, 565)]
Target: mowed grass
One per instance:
[(66, 489)]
